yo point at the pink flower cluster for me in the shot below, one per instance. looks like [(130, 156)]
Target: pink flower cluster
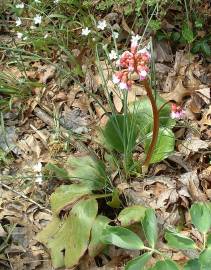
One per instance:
[(177, 112), (132, 61)]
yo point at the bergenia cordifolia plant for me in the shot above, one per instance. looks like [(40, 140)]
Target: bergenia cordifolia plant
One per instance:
[(138, 61)]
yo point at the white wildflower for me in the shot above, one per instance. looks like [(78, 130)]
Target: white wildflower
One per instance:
[(135, 39), (18, 22), (45, 36), (56, 1), (113, 55), (115, 35), (37, 1), (21, 5), (85, 31), (19, 35), (37, 19), (102, 25), (38, 168)]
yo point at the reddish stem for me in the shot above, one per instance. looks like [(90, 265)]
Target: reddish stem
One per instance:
[(155, 123)]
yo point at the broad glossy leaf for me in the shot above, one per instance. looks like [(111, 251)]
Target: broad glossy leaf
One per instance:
[(139, 262), (121, 237), (165, 265), (87, 170), (201, 216), (68, 238), (205, 259), (192, 265), (142, 110), (95, 245), (149, 224), (164, 146), (179, 241), (120, 133), (66, 195), (131, 214)]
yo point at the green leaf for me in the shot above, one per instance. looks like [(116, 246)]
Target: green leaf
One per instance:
[(205, 259), (139, 262), (208, 240), (60, 173), (120, 133), (142, 110), (187, 33), (175, 36), (66, 195), (131, 215), (179, 241), (149, 224), (68, 238), (115, 202), (205, 47), (201, 216), (87, 170), (121, 237), (95, 245), (165, 265), (164, 146), (192, 265)]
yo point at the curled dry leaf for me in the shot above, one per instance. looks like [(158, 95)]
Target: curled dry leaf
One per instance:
[(190, 181), (193, 145)]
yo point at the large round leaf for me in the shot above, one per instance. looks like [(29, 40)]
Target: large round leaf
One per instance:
[(120, 133), (142, 109), (164, 146)]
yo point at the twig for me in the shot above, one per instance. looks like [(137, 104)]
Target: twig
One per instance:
[(25, 197)]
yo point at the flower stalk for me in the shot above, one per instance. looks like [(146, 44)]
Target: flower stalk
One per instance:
[(155, 130)]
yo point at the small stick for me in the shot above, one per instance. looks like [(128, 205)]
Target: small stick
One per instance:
[(25, 197)]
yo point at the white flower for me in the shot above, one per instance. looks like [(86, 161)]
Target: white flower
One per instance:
[(21, 5), (56, 1), (19, 35), (37, 167), (85, 31), (45, 36), (37, 1), (113, 55), (102, 25), (25, 38), (135, 39), (37, 19), (18, 22), (115, 35), (38, 178)]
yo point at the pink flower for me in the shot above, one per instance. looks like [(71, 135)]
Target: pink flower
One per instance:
[(177, 112), (132, 61)]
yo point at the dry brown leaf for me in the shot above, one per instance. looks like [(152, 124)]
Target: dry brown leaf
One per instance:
[(192, 144), (190, 180)]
